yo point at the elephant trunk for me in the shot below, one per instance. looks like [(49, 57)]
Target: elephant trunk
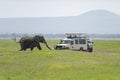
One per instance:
[(47, 45), (42, 40)]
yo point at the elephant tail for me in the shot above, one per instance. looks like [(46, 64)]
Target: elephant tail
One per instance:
[(15, 40)]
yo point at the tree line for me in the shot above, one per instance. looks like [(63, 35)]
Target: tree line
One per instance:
[(57, 36)]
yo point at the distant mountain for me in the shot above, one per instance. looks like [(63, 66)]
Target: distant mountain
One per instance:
[(102, 13), (96, 21)]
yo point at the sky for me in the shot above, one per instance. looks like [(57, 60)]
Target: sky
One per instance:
[(54, 8)]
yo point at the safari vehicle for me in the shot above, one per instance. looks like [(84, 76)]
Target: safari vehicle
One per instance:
[(76, 41), (64, 44)]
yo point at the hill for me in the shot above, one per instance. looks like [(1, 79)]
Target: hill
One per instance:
[(96, 21)]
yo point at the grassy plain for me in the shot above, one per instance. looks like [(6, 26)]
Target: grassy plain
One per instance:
[(102, 64)]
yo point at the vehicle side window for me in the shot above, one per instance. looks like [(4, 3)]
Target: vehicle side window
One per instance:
[(82, 41), (72, 42), (76, 41)]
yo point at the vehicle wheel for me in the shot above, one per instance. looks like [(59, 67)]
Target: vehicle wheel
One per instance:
[(90, 49), (67, 48), (81, 49), (58, 48)]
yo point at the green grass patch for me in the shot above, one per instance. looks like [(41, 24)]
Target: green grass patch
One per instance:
[(102, 64)]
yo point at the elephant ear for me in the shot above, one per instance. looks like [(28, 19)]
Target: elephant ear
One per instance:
[(37, 38), (42, 40)]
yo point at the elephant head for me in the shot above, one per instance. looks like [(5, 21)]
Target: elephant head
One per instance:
[(41, 39)]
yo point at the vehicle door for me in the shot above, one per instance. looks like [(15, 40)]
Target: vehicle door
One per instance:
[(83, 44), (71, 46)]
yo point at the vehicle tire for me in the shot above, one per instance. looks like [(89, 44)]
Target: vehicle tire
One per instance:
[(81, 49), (67, 48), (58, 48), (90, 49)]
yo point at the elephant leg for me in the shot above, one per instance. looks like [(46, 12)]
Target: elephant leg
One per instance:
[(32, 48), (38, 46), (21, 49), (24, 49)]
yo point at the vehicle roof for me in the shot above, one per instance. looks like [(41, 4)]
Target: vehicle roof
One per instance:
[(66, 39), (76, 35)]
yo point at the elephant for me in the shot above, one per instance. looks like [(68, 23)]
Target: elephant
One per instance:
[(31, 42)]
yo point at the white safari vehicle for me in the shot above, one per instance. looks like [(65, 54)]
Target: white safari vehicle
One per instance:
[(76, 41)]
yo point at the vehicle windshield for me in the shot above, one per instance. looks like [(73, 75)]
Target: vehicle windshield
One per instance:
[(89, 41), (65, 41)]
